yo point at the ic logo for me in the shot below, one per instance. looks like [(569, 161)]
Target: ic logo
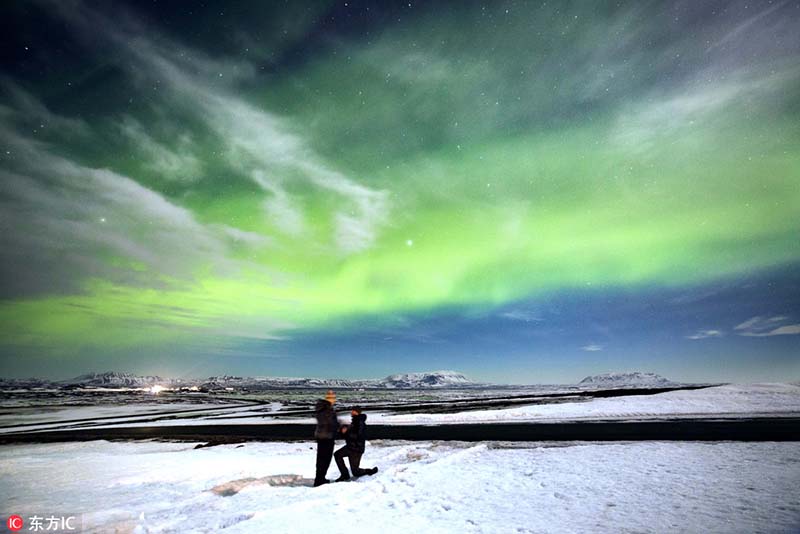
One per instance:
[(14, 523)]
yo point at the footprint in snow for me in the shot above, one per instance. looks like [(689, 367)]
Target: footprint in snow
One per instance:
[(230, 521)]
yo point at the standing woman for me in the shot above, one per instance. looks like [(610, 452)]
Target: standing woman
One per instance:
[(325, 433)]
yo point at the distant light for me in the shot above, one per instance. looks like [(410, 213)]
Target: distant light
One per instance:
[(102, 219), (410, 243), (155, 390)]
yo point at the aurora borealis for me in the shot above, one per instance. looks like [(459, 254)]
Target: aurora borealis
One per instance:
[(522, 191)]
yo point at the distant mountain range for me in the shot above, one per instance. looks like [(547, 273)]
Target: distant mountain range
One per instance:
[(116, 380), (430, 380), (634, 379), (436, 379), (111, 379)]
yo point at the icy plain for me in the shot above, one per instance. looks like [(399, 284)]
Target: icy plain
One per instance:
[(729, 401), (421, 487)]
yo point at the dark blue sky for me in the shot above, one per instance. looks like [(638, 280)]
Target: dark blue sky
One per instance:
[(686, 333)]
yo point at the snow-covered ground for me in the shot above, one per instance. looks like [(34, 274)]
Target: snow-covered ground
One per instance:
[(43, 418), (421, 487), (40, 414), (729, 401)]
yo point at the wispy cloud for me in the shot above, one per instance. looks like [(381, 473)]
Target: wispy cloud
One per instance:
[(521, 315), (76, 218), (592, 347), (787, 330), (24, 108), (642, 125), (736, 33), (180, 164), (257, 143), (74, 230), (70, 218), (759, 326), (729, 74), (705, 334)]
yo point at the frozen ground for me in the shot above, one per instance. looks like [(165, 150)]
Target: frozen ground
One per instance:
[(421, 487), (731, 401), (44, 418), (56, 413)]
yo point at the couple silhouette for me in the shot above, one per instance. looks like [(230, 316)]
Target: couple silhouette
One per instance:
[(328, 430)]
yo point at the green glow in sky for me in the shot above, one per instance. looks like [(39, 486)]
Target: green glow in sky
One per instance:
[(166, 193)]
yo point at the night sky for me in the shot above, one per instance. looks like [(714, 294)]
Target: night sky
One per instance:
[(527, 192)]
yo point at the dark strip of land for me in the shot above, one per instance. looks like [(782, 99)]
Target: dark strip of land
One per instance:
[(481, 402), (430, 406), (752, 429)]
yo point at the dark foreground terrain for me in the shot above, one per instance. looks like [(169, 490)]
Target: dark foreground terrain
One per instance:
[(169, 424), (753, 429)]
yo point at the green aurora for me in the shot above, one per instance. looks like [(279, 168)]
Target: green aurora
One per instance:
[(168, 189)]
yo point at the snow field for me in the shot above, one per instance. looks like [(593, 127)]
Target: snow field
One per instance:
[(731, 401), (421, 487), (101, 416), (749, 400)]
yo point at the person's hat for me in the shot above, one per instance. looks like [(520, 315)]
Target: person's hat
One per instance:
[(330, 396)]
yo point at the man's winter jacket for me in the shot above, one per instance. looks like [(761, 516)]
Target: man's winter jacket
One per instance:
[(357, 433), (327, 423)]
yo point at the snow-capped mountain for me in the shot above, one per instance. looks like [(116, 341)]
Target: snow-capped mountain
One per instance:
[(112, 379), (436, 379), (634, 379), (271, 382)]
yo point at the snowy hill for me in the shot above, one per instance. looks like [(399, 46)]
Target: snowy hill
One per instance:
[(112, 379), (236, 382), (436, 379), (618, 380)]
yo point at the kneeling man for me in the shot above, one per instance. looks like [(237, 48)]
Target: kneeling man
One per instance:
[(355, 438)]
